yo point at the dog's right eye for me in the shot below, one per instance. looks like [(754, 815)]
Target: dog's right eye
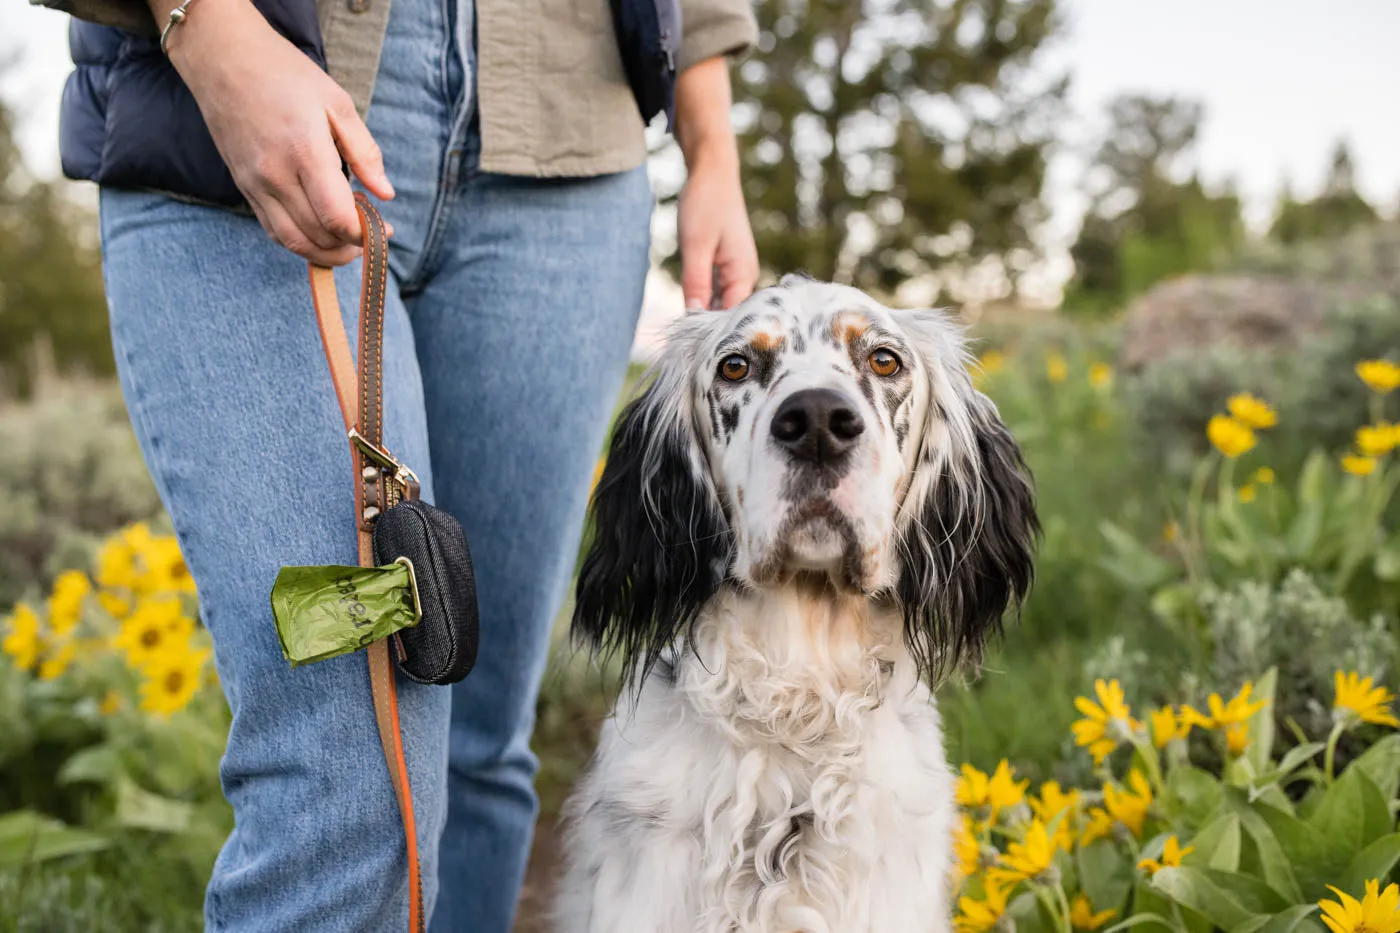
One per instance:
[(734, 367)]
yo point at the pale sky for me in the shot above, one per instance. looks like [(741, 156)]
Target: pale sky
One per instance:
[(1281, 81)]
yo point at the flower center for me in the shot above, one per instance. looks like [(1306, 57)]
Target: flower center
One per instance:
[(174, 681), (150, 638)]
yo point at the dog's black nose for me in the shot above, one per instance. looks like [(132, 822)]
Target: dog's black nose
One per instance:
[(817, 425)]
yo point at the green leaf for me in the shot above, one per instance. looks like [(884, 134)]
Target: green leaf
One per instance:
[(1297, 756), (1375, 861), (27, 838), (1387, 562), (1217, 845), (97, 764), (1312, 858), (1305, 530), (1275, 864), (1105, 875), (1131, 562), (1261, 724), (1137, 920), (1352, 814), (1029, 915), (141, 809), (1192, 795), (1286, 921), (1381, 763), (1227, 900)]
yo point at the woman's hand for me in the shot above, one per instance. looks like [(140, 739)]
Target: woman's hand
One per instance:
[(716, 241), (281, 124)]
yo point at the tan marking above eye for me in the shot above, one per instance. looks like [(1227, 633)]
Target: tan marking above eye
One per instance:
[(884, 363), (764, 341), (849, 326), (733, 367)]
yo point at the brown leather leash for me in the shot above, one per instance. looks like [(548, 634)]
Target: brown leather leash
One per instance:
[(380, 482)]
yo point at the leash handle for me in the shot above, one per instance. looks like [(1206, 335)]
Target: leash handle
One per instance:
[(380, 482)]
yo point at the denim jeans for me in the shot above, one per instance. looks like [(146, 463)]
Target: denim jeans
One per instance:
[(509, 319)]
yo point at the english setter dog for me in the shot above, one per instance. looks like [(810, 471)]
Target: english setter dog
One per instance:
[(805, 519)]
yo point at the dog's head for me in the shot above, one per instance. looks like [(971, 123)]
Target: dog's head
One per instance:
[(810, 432)]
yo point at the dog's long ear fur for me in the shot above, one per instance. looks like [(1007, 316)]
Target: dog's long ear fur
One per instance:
[(660, 545), (968, 525)]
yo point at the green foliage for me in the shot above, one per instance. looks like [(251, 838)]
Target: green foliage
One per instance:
[(1142, 225), (1315, 389), (73, 473), (51, 306), (1338, 210), (884, 141)]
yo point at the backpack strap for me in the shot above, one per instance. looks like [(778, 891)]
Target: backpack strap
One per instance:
[(361, 394)]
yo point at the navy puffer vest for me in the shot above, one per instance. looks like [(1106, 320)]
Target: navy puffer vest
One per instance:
[(128, 121)]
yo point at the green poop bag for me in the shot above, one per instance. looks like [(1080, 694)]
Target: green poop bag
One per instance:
[(323, 612)]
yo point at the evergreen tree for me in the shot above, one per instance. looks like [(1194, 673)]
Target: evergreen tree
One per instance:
[(884, 140), (51, 298), (1338, 210)]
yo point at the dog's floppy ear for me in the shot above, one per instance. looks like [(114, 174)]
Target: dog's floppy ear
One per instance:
[(660, 546), (968, 524)]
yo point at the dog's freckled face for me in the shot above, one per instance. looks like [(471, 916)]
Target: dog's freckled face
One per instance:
[(809, 412)]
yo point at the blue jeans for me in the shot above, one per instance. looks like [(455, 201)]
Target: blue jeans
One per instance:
[(507, 332)]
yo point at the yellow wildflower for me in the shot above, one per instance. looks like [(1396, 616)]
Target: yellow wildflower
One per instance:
[(993, 361), (976, 790), (117, 606), (1252, 412), (57, 661), (165, 570), (154, 629), (1106, 723), (1172, 854), (1056, 367), (1357, 696), (1128, 807), (1377, 440), (1359, 466), (1222, 714), (111, 703), (1051, 803), (1264, 476), (1027, 859), (1377, 912), (117, 567), (967, 850), (172, 680), (22, 640), (1083, 917), (1100, 824), (1100, 375), (1380, 376), (1248, 493), (1166, 726), (1237, 738), (1231, 437), (1171, 531), (976, 916), (66, 603)]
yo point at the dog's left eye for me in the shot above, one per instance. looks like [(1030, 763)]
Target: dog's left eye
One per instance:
[(734, 367), (884, 363)]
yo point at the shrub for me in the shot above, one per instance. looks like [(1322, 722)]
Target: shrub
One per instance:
[(72, 473), (1161, 843)]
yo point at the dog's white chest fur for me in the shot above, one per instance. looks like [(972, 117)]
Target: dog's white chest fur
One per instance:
[(788, 775)]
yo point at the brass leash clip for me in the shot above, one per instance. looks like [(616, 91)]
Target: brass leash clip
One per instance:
[(400, 481)]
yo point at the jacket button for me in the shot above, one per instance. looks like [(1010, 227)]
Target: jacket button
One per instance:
[(358, 6)]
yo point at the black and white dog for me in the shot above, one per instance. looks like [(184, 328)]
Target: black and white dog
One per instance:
[(807, 516)]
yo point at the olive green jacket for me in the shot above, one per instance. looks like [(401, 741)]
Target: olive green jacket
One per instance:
[(551, 91)]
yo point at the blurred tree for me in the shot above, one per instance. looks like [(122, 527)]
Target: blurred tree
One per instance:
[(1337, 210), (51, 302), (884, 140), (1142, 225)]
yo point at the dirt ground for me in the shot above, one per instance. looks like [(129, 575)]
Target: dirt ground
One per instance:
[(539, 882)]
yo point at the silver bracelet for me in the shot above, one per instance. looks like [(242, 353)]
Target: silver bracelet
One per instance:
[(177, 16)]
